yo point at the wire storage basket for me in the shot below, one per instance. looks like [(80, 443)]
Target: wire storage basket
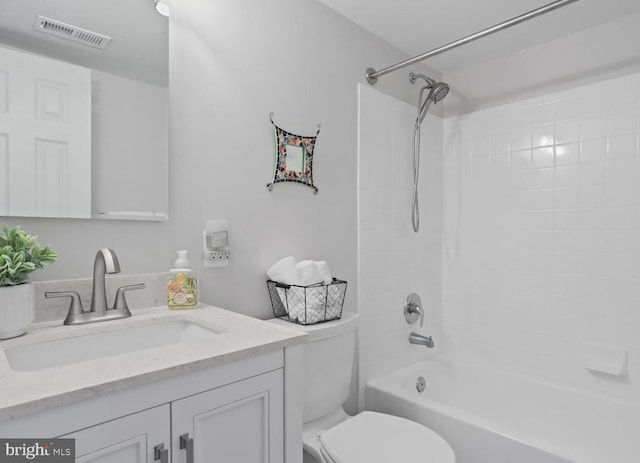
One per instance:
[(307, 305)]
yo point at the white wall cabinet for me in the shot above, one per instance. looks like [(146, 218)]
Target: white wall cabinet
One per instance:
[(239, 422)]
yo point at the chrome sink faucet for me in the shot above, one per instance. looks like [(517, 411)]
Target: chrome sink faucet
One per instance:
[(105, 262)]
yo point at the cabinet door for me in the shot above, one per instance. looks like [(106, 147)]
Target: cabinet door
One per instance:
[(238, 423), (130, 439)]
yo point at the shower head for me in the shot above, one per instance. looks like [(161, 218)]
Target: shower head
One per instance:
[(437, 92)]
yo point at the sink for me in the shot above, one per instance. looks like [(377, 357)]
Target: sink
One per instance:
[(59, 352)]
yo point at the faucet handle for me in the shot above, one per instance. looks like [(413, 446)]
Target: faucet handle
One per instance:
[(75, 305), (120, 302), (413, 309)]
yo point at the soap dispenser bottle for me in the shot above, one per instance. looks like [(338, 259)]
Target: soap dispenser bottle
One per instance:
[(182, 285)]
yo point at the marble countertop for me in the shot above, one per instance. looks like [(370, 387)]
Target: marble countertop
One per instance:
[(237, 337)]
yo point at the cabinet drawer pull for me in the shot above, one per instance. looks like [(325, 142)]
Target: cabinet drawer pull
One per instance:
[(186, 443), (160, 453)]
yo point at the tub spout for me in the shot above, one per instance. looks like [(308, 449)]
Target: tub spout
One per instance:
[(415, 338)]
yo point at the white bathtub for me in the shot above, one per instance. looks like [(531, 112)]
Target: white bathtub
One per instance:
[(488, 416)]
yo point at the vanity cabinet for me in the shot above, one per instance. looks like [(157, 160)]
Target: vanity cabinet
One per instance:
[(130, 439), (244, 411), (239, 422), (232, 396)]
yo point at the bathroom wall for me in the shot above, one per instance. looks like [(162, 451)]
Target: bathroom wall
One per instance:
[(231, 63), (393, 261), (540, 238)]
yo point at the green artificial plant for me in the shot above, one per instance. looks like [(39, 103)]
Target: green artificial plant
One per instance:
[(20, 254)]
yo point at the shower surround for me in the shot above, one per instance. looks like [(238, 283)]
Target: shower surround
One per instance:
[(393, 261), (541, 236), (530, 257)]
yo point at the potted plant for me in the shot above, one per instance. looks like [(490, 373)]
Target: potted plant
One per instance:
[(20, 254)]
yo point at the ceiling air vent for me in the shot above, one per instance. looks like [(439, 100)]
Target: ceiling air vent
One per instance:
[(67, 31)]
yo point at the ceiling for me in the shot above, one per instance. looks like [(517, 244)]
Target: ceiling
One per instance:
[(588, 39), (417, 26), (139, 49)]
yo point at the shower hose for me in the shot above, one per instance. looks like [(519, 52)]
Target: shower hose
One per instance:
[(415, 210)]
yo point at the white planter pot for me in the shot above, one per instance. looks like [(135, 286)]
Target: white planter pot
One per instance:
[(16, 310)]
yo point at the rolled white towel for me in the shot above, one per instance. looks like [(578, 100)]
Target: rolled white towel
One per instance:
[(308, 273), (310, 308), (284, 271), (325, 272)]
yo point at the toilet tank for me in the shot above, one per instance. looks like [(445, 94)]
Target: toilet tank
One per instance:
[(328, 361)]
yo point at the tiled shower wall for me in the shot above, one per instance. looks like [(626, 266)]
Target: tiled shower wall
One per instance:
[(541, 234), (393, 261)]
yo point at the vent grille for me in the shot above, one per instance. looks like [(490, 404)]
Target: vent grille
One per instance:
[(67, 31)]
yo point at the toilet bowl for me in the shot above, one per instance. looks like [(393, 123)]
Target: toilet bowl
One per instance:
[(332, 436)]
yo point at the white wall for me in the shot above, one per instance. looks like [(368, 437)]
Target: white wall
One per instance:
[(541, 250), (231, 63), (393, 261)]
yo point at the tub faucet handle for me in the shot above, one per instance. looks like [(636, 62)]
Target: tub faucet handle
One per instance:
[(413, 309)]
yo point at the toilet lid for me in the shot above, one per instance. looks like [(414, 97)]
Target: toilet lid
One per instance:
[(371, 437)]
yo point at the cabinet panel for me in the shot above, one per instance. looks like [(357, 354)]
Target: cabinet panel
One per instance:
[(130, 439), (240, 422)]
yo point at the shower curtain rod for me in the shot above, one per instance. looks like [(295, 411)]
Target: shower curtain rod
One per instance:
[(372, 75)]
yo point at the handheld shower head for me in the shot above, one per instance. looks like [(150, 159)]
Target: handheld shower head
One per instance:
[(438, 91)]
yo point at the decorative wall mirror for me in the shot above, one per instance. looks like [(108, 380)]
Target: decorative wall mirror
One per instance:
[(293, 158), (84, 109)]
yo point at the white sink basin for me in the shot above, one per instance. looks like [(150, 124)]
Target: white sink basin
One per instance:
[(59, 352)]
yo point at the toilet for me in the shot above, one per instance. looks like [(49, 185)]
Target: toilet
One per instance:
[(332, 436)]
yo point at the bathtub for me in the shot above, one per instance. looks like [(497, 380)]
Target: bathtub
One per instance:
[(489, 416)]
